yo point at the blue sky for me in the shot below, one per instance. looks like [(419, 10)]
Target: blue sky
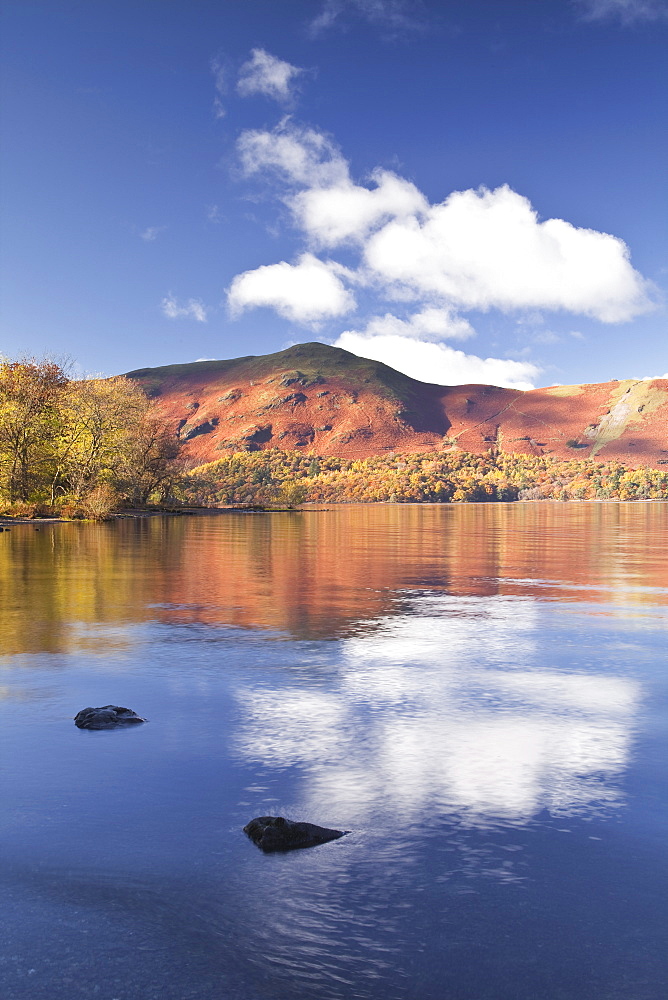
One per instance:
[(469, 190)]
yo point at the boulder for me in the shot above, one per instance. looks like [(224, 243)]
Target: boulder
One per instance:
[(274, 833), (107, 717)]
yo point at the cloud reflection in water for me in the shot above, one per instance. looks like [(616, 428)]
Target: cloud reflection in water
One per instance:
[(443, 711)]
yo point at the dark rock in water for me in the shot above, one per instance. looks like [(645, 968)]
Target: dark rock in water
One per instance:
[(274, 833), (107, 717)]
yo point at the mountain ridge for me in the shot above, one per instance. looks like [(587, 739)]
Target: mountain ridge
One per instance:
[(327, 401)]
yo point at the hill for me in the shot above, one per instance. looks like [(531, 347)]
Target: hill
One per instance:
[(330, 402)]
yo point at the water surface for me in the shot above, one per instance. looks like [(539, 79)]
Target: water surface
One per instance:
[(477, 692)]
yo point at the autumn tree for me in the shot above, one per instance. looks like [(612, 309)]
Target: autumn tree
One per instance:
[(148, 463), (31, 394), (292, 493), (100, 417), (85, 446)]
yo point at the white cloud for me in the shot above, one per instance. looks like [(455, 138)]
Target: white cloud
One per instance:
[(431, 323), (306, 292), (269, 76), (152, 233), (486, 249), (546, 337), (330, 208), (220, 82), (390, 15), (476, 250), (329, 14), (346, 211), (193, 308), (438, 363), (298, 156), (626, 11)]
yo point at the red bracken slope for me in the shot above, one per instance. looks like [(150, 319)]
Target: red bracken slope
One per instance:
[(329, 402)]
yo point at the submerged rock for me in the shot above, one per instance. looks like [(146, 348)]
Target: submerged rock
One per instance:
[(274, 833), (107, 717)]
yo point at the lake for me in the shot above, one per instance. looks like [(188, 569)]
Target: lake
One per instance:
[(478, 693)]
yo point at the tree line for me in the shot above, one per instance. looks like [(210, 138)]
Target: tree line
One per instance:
[(80, 448), (273, 476)]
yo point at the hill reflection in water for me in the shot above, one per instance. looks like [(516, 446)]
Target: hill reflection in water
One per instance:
[(320, 574)]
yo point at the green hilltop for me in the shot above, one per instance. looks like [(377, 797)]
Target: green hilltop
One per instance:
[(312, 361)]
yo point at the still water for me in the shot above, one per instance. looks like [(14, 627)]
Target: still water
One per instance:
[(478, 693)]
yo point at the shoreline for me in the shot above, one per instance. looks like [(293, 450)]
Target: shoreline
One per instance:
[(7, 522)]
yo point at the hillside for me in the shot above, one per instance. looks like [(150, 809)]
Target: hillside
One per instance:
[(329, 402)]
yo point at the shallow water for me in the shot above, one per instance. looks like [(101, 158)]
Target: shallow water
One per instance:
[(478, 693)]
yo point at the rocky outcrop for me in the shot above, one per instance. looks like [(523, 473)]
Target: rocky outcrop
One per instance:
[(107, 717), (204, 428), (274, 833)]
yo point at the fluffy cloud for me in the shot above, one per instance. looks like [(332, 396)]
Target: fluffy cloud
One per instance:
[(438, 363), (194, 308), (306, 292), (486, 249), (431, 323), (330, 208), (298, 156), (346, 211), (476, 250), (266, 75), (626, 11)]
